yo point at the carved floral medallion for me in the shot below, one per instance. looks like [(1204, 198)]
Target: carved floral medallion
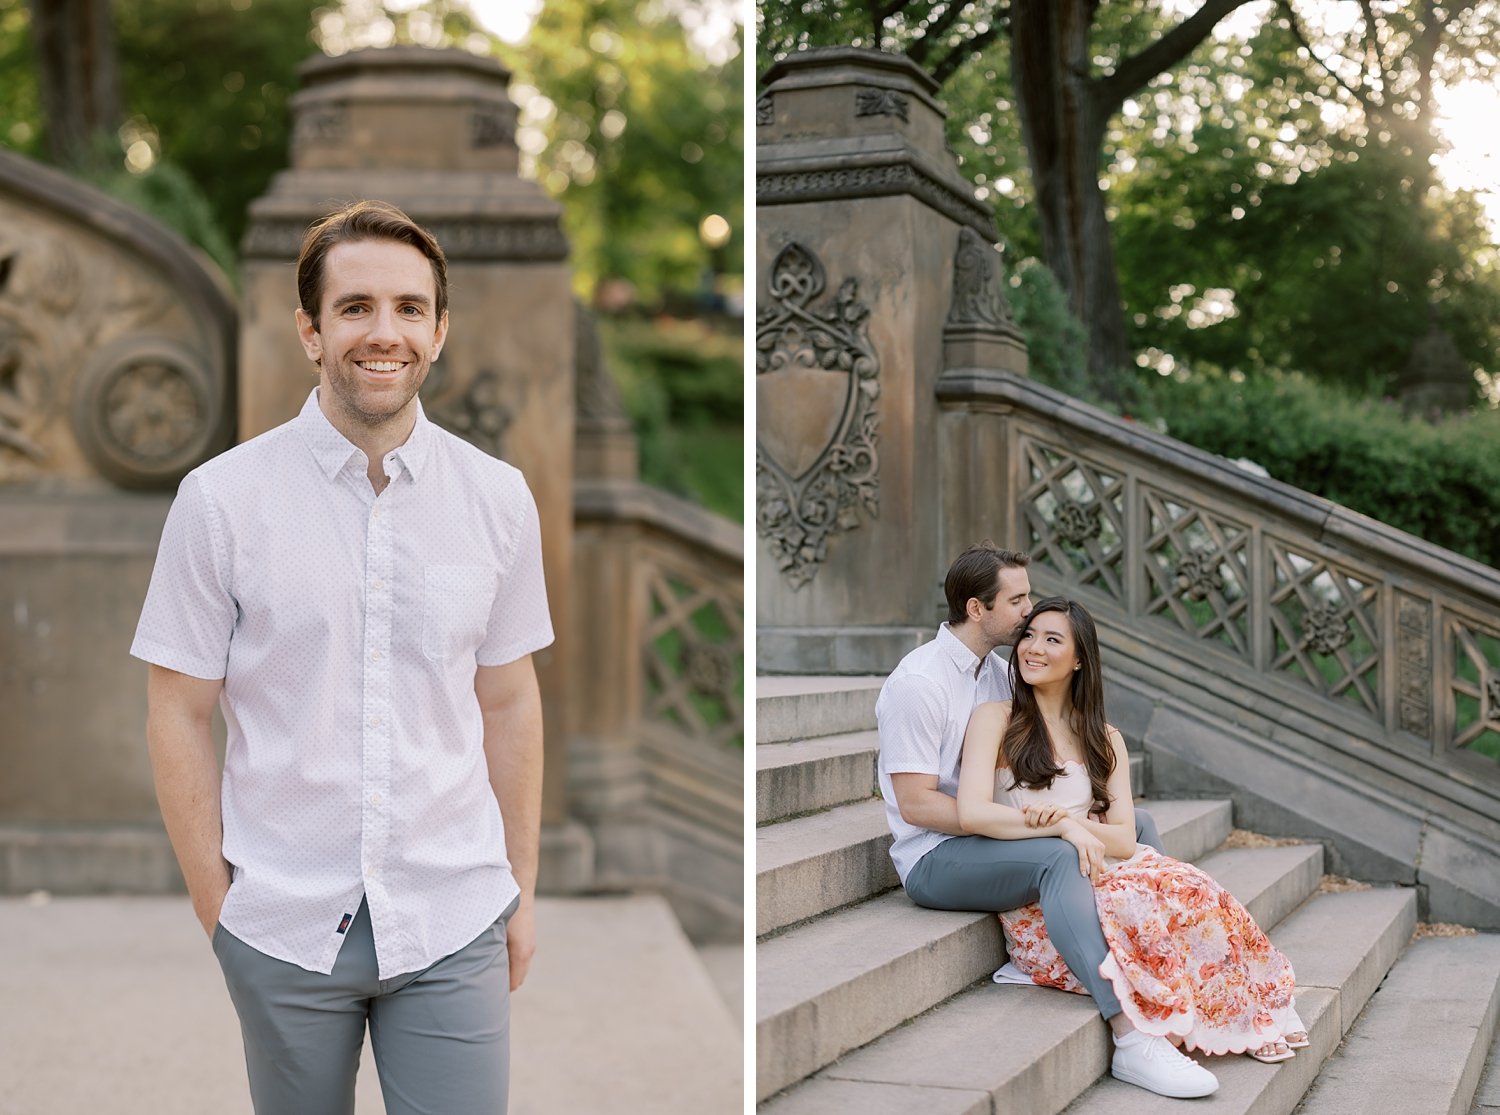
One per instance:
[(1075, 523), (1197, 574), (1325, 628)]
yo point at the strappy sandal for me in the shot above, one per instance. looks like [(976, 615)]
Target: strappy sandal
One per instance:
[(1297, 1040), (1279, 1051)]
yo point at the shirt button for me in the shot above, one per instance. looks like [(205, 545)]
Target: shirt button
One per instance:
[(374, 799), (374, 721), (377, 583), (374, 656)]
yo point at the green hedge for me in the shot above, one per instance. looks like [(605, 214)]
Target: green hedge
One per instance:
[(683, 386), (1438, 481)]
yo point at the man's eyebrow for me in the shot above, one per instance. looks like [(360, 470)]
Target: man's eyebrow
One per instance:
[(359, 296)]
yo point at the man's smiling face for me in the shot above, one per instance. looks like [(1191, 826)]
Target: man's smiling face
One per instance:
[(378, 330)]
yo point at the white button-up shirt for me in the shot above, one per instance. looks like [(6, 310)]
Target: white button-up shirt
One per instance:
[(922, 711), (347, 628)]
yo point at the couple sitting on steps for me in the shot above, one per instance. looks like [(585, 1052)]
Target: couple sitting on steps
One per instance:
[(1036, 823)]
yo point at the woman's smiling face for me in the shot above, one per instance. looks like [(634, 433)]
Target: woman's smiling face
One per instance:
[(1046, 651)]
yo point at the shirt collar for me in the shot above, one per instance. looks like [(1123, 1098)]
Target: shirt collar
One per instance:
[(332, 450), (961, 656)]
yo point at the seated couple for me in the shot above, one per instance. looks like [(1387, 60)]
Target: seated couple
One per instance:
[(1036, 823)]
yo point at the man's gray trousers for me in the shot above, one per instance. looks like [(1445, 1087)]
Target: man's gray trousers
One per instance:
[(441, 1036), (978, 873)]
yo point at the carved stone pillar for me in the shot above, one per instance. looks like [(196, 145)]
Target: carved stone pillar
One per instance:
[(860, 205), (433, 131)]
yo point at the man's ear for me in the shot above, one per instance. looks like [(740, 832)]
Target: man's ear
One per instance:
[(307, 333), (974, 609), (439, 336)]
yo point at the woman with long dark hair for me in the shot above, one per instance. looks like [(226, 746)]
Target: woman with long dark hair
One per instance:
[(1185, 958)]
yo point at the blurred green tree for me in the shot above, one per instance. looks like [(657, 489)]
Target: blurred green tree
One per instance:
[(1268, 197), (636, 128), (644, 141)]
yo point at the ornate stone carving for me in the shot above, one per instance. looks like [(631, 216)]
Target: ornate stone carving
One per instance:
[(321, 126), (596, 393), (978, 286), (1197, 574), (709, 667), (143, 410), (1325, 628), (539, 239), (478, 415), (23, 388), (110, 331), (489, 127), (1414, 665), (1075, 523), (817, 382), (765, 111), (882, 102), (774, 187)]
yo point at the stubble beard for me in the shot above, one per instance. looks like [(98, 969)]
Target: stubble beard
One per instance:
[(345, 381)]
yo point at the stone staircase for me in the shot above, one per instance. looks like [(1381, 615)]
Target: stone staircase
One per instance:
[(865, 1002)]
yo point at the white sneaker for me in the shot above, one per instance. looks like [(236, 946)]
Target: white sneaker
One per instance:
[(1156, 1065)]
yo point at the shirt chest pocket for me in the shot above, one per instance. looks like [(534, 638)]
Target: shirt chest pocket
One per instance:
[(456, 602)]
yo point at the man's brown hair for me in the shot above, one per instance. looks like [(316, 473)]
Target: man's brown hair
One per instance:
[(975, 573), (363, 220)]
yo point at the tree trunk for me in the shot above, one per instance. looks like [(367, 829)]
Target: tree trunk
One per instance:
[(1062, 122), (78, 74)]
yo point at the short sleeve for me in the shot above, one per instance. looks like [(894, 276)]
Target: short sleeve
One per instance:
[(910, 715), (519, 620), (1001, 667), (189, 614)]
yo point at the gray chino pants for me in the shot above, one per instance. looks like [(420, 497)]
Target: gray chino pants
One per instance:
[(441, 1036), (977, 873)]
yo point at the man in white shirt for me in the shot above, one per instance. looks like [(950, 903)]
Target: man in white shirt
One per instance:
[(360, 592), (922, 713)]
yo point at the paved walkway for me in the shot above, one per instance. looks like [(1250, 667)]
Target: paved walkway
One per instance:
[(116, 1005)]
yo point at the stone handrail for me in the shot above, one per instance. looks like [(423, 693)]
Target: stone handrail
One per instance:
[(655, 757), (689, 606), (1296, 608)]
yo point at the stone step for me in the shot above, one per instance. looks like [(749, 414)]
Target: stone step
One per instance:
[(725, 965), (814, 864), (803, 776), (1341, 946), (1033, 1050), (1422, 1041), (792, 708), (1487, 1099), (806, 775), (842, 980), (87, 859)]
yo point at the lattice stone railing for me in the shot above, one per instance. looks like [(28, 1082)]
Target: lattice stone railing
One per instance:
[(693, 648), (1380, 636), (655, 756), (665, 579)]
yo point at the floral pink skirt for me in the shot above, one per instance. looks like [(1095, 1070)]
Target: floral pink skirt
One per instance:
[(1185, 958)]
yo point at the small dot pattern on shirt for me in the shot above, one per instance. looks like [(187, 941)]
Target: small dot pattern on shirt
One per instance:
[(347, 627), (922, 711)]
